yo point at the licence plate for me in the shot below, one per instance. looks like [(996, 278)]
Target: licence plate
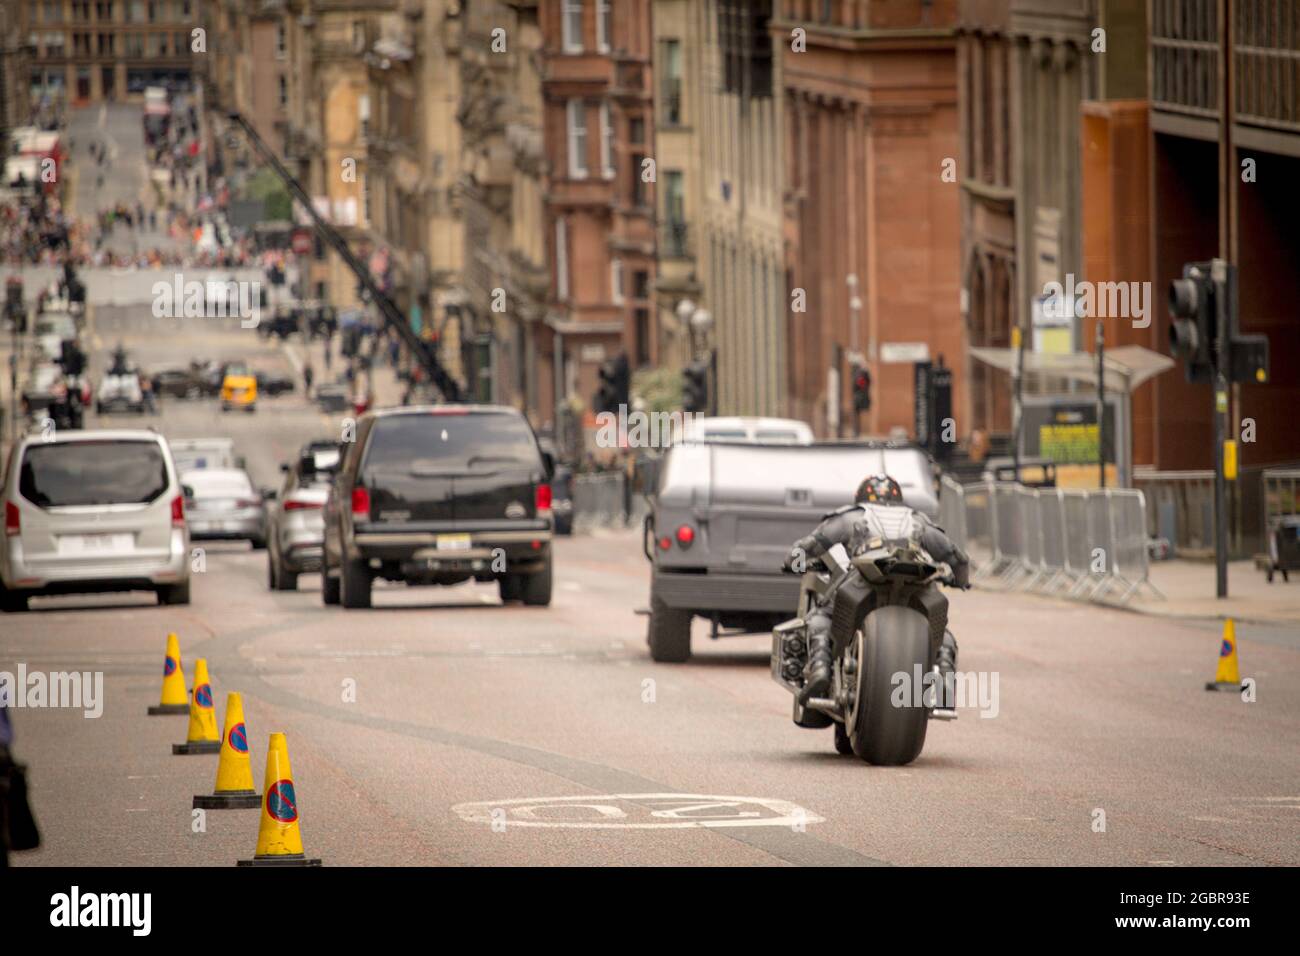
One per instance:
[(82, 544), (452, 542)]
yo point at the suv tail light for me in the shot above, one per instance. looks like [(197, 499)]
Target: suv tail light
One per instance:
[(13, 521), (178, 512), (360, 504), (293, 504), (543, 499)]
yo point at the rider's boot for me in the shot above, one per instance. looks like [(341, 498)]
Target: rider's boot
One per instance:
[(817, 675), (946, 663)]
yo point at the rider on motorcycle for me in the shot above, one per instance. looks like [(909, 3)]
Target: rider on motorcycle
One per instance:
[(852, 526)]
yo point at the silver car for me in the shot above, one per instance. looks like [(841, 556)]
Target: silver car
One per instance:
[(295, 524), (93, 511), (222, 503)]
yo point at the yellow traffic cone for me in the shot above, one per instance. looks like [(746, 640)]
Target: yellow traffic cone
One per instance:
[(202, 738), (278, 841), (234, 790), (174, 699), (1227, 676)]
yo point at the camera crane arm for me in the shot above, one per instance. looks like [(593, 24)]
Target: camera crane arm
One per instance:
[(393, 317)]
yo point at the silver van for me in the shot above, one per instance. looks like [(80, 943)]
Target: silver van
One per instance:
[(92, 511)]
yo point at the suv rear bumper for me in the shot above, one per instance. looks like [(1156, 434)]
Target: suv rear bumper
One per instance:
[(408, 545), (716, 591)]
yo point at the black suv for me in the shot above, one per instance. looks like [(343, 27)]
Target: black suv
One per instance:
[(438, 495)]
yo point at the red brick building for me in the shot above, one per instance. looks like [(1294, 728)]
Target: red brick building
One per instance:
[(871, 127)]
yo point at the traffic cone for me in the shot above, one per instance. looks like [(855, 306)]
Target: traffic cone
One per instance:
[(174, 699), (234, 789), (1227, 677), (278, 841), (202, 738)]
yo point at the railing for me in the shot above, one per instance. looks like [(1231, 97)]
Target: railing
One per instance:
[(674, 240), (605, 500), (1079, 544)]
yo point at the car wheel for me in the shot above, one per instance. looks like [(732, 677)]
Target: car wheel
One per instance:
[(354, 584), (536, 588), (174, 593), (281, 579), (670, 632), (329, 588), (509, 587), (12, 602), (258, 544)]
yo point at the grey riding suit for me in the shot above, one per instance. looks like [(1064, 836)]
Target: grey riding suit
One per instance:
[(853, 526)]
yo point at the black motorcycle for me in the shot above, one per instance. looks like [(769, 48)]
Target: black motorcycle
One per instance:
[(888, 621)]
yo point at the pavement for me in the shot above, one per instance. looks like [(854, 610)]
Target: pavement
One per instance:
[(1189, 591)]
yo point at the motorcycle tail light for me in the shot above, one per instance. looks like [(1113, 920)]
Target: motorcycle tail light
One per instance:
[(13, 520), (360, 503), (685, 535), (178, 512)]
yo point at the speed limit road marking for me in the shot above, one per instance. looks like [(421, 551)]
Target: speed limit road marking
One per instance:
[(637, 811)]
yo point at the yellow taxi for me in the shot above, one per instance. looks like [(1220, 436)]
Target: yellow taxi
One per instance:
[(238, 389)]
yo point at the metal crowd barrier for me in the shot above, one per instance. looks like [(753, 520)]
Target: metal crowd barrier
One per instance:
[(1081, 544), (599, 501)]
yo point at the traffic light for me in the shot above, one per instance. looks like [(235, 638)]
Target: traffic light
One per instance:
[(695, 387), (71, 358), (1193, 333), (606, 399), (1198, 303), (861, 388)]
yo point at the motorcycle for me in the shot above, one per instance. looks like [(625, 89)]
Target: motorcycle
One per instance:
[(888, 620)]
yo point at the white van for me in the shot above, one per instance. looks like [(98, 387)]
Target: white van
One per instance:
[(93, 511)]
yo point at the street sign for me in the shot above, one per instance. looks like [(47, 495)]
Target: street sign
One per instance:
[(895, 353)]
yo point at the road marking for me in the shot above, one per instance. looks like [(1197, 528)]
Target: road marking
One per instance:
[(638, 811)]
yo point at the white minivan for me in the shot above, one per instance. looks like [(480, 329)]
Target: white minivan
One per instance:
[(93, 511)]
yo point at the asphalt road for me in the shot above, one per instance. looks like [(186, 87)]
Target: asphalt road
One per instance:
[(467, 715)]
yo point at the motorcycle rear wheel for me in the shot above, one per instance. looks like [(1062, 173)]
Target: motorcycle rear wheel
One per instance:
[(893, 640)]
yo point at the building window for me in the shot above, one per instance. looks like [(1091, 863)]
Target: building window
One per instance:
[(606, 142), (670, 92), (641, 285), (572, 26), (616, 280), (280, 46), (746, 46), (576, 116), (642, 318), (363, 114), (636, 130), (638, 191), (674, 214), (561, 259), (284, 91), (604, 25)]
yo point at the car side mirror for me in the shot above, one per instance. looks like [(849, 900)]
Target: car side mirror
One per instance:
[(187, 491), (548, 461), (284, 467), (269, 494)]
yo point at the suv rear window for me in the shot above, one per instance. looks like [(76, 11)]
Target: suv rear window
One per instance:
[(454, 443), (93, 473)]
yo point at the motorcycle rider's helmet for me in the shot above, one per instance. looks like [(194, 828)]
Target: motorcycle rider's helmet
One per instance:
[(879, 490)]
